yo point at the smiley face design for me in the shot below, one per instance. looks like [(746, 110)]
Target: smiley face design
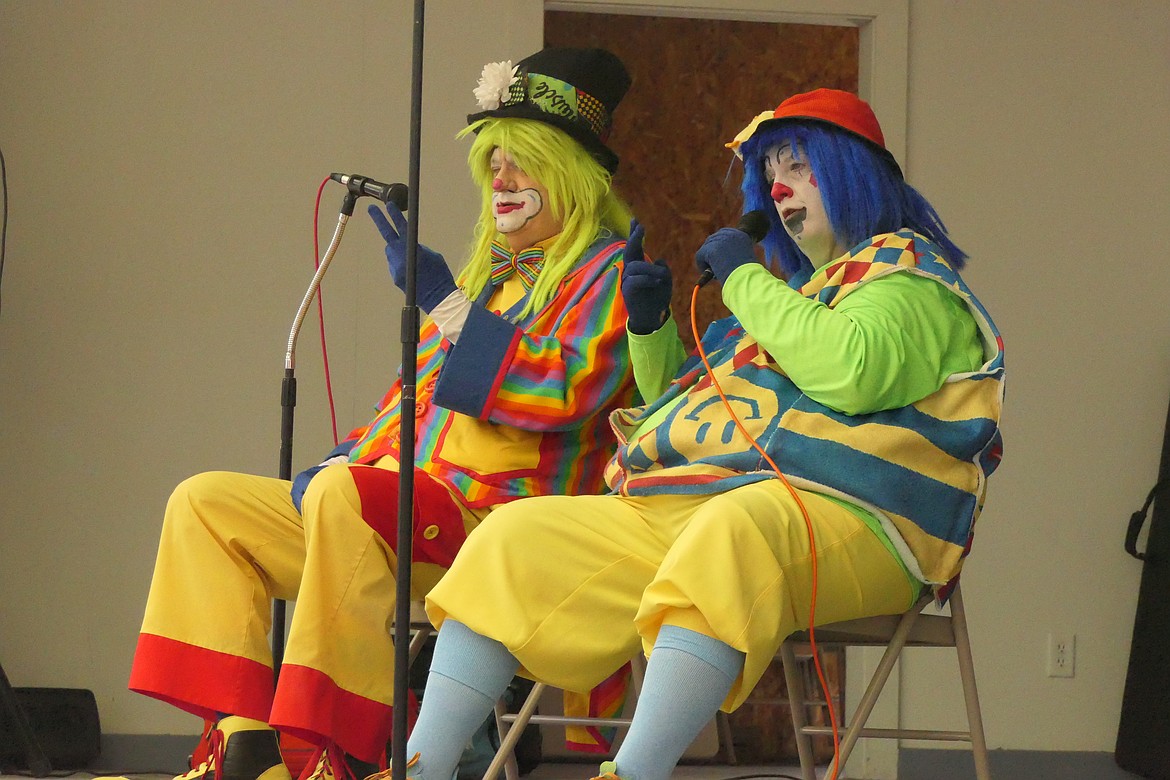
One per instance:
[(747, 409), (702, 429)]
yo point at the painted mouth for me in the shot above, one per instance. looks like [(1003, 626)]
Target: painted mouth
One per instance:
[(794, 219), (508, 208)]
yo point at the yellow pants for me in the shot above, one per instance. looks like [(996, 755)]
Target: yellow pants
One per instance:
[(232, 542), (574, 586)]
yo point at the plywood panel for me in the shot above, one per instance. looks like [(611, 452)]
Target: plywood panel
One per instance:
[(696, 83)]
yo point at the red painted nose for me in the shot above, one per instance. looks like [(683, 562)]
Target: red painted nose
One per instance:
[(780, 192), (497, 184)]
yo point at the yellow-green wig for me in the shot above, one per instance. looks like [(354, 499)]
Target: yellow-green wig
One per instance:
[(580, 193)]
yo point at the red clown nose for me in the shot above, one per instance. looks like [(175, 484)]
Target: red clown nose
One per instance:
[(780, 192)]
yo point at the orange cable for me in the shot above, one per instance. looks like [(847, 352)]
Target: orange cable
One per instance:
[(812, 639)]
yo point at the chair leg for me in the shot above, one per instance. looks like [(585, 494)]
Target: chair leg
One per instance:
[(510, 734), (726, 738), (797, 701), (970, 692), (421, 634), (878, 681), (637, 673)]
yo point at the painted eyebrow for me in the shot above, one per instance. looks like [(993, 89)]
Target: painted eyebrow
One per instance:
[(779, 151)]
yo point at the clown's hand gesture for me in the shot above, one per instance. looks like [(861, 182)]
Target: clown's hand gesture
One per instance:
[(646, 286), (434, 282)]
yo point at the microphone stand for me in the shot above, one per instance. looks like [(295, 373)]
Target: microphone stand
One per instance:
[(409, 337), (409, 370), (288, 400)]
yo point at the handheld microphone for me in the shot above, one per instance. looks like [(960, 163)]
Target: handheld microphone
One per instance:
[(755, 224), (362, 185)]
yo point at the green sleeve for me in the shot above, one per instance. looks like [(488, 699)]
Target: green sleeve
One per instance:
[(656, 358), (889, 343)]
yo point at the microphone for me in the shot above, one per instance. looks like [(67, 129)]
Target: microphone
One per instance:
[(362, 185), (755, 224)]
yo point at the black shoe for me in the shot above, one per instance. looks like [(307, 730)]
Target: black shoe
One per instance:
[(239, 751)]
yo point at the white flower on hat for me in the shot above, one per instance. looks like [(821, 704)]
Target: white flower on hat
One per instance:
[(494, 83)]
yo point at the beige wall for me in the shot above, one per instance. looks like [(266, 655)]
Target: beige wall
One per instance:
[(163, 159), (1035, 129), (163, 162)]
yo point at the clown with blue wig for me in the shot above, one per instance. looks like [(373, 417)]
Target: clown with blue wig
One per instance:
[(866, 370)]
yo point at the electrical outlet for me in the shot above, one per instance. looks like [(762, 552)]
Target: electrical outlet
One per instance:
[(1062, 655)]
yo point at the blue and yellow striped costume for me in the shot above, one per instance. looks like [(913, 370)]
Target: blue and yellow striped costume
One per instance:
[(922, 468)]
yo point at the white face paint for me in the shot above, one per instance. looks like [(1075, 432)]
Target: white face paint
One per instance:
[(520, 204), (800, 206)]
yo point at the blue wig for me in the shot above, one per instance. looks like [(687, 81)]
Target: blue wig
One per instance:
[(863, 191)]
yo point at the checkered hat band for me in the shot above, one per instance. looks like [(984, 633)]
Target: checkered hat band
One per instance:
[(592, 111)]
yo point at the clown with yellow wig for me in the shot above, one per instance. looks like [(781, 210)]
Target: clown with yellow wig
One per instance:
[(520, 362)]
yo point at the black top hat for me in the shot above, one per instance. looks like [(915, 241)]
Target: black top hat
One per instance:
[(575, 90)]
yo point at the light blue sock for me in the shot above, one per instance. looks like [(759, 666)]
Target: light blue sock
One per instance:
[(469, 672), (687, 677)]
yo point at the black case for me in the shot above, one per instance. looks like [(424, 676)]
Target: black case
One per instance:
[(62, 721), (1143, 735)]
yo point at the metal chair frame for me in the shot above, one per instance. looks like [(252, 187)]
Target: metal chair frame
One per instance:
[(912, 628), (895, 632), (511, 725)]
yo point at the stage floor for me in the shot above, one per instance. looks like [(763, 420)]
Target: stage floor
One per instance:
[(550, 770)]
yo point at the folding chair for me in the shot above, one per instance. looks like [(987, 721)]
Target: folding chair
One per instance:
[(910, 629), (512, 725)]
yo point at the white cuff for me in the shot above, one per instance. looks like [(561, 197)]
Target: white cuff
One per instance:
[(451, 314)]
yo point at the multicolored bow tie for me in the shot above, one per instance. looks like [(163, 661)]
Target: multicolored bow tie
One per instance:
[(526, 262)]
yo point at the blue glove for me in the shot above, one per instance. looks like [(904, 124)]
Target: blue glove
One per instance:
[(725, 250), (433, 281), (301, 482), (645, 286)]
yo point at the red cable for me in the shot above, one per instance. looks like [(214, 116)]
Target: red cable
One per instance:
[(812, 607), (321, 311)]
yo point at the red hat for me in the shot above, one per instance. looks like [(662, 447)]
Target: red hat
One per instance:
[(843, 109), (829, 106)]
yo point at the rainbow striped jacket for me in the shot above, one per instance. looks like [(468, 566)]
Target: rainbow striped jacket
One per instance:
[(518, 406), (921, 469)]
